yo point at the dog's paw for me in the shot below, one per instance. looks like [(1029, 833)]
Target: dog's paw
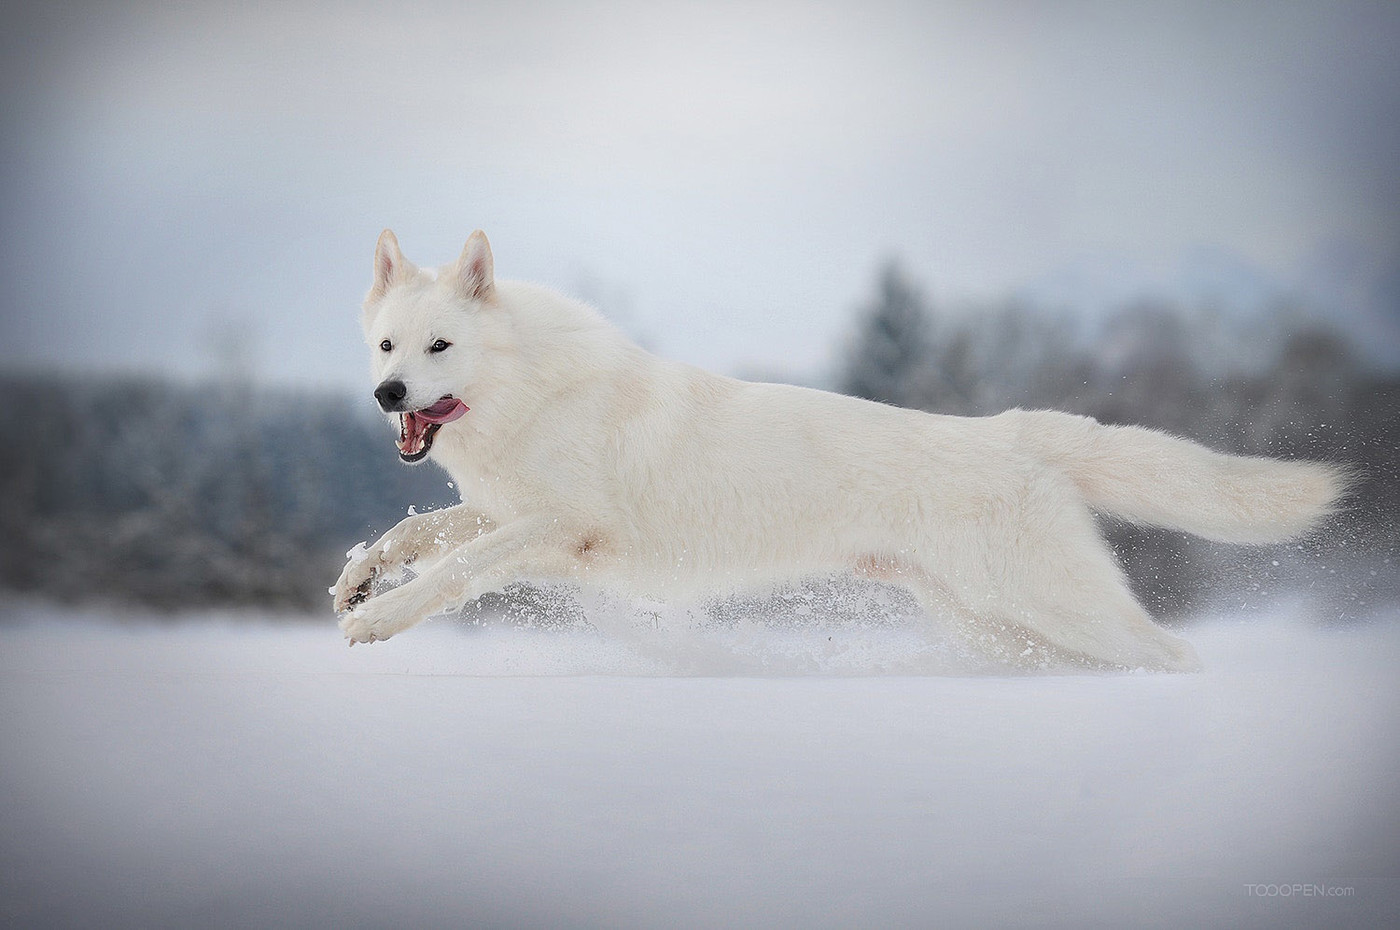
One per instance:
[(366, 567), (368, 623), (363, 567)]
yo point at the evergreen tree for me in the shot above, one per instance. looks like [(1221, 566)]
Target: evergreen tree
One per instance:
[(892, 345)]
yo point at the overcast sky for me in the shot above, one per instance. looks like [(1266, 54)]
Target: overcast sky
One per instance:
[(188, 183)]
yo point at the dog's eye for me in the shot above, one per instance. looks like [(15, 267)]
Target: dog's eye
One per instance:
[(440, 346), (386, 345)]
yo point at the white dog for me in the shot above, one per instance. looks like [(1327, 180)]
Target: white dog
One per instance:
[(580, 456)]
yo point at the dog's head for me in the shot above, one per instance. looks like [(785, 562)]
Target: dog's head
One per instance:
[(422, 332)]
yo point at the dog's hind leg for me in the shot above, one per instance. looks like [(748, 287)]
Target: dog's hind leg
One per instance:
[(1110, 631), (984, 634), (1062, 583), (1066, 586), (1042, 589)]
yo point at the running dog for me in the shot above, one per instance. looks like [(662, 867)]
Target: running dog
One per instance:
[(579, 456)]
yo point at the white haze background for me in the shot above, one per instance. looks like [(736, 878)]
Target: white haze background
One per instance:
[(189, 185)]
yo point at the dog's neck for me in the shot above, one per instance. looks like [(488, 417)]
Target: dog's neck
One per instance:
[(544, 358)]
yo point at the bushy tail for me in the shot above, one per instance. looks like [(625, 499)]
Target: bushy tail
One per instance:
[(1150, 477)]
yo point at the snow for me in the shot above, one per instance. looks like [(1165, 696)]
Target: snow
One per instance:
[(234, 771)]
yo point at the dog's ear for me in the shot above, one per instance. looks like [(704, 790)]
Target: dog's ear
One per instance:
[(390, 267), (474, 274)]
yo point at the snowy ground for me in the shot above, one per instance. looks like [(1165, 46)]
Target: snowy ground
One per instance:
[(241, 773)]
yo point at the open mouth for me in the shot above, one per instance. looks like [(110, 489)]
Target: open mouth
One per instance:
[(418, 427)]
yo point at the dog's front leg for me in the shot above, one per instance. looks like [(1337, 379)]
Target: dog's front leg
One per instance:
[(486, 563), (421, 536)]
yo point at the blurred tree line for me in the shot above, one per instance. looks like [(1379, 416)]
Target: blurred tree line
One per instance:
[(178, 495), (1288, 386)]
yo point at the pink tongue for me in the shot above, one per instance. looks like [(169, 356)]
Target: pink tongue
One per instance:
[(444, 411)]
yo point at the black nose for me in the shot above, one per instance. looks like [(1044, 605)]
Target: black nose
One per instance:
[(390, 395)]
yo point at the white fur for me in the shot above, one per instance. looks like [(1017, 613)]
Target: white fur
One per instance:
[(584, 457)]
